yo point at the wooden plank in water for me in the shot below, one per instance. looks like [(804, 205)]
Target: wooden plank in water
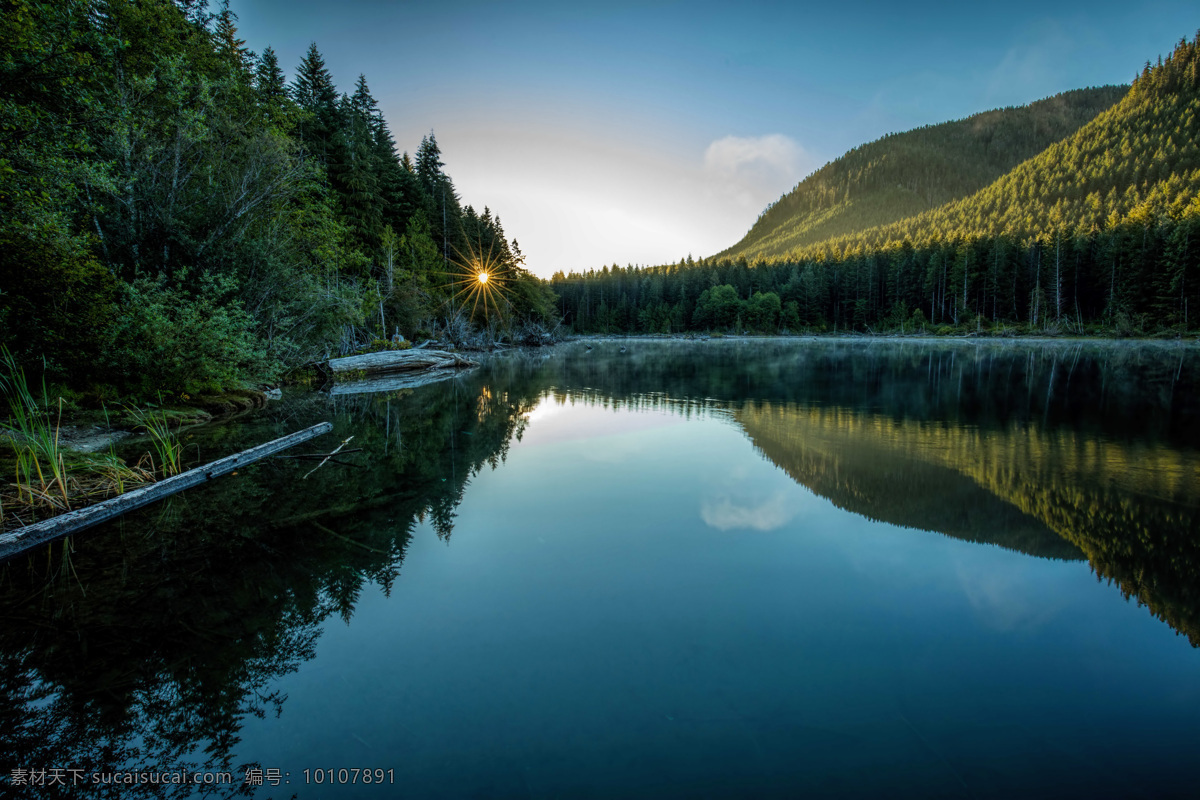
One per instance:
[(19, 541)]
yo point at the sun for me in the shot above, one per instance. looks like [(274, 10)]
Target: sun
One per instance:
[(479, 278)]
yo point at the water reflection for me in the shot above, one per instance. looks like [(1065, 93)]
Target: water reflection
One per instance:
[(159, 636), (152, 641), (728, 513), (1060, 450)]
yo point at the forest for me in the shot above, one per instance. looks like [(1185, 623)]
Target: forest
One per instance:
[(1097, 233), (177, 217)]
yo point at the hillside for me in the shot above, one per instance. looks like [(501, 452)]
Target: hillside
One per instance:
[(1136, 161), (905, 174)]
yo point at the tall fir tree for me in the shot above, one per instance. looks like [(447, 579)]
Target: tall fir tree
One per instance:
[(314, 91), (355, 174), (429, 164), (270, 86), (229, 46)]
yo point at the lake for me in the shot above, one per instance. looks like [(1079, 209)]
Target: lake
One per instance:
[(723, 568)]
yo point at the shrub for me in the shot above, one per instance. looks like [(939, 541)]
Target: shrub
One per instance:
[(181, 340)]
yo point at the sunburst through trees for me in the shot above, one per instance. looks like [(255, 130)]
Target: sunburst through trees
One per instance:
[(479, 278)]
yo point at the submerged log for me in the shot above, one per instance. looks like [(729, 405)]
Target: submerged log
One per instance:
[(19, 541), (395, 361)]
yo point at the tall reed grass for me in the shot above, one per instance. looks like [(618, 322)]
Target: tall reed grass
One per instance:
[(165, 443), (47, 478), (41, 471)]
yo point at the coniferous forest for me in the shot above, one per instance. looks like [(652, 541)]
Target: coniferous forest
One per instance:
[(990, 224), (177, 216)]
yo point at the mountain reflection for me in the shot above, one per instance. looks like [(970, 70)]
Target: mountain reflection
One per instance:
[(892, 472), (154, 640), (1130, 509), (1061, 450)]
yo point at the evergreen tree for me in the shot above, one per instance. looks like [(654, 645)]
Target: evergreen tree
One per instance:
[(429, 165), (229, 45), (271, 86), (314, 91), (398, 189), (441, 202), (356, 175)]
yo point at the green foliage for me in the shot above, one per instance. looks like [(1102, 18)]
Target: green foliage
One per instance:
[(165, 443), (41, 473), (54, 293), (763, 312), (718, 307), (378, 345), (183, 340), (532, 298)]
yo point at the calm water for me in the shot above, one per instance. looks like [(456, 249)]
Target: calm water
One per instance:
[(710, 569)]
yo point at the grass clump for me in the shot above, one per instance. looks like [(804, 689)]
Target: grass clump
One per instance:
[(166, 445), (49, 479), (40, 472)]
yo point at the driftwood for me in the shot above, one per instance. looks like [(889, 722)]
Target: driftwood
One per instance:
[(16, 542), (390, 361), (391, 383), (331, 455), (314, 456)]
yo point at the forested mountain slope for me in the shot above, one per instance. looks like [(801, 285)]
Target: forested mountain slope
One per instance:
[(1138, 160), (905, 174)]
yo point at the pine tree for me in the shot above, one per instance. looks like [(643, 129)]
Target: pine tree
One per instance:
[(315, 93), (355, 174), (229, 45), (441, 202), (271, 87), (398, 190), (429, 164)]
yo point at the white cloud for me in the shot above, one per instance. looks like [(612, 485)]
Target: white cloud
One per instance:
[(768, 515), (737, 156), (755, 171), (1009, 597)]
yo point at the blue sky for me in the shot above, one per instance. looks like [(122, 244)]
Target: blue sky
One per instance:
[(637, 133)]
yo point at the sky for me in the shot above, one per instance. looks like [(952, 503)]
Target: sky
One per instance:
[(640, 133)]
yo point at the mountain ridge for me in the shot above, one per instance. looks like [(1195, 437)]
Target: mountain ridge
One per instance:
[(906, 173)]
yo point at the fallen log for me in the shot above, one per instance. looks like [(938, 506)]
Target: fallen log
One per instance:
[(389, 361), (393, 382), (26, 538)]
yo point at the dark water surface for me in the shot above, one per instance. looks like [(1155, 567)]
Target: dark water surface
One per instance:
[(713, 569)]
